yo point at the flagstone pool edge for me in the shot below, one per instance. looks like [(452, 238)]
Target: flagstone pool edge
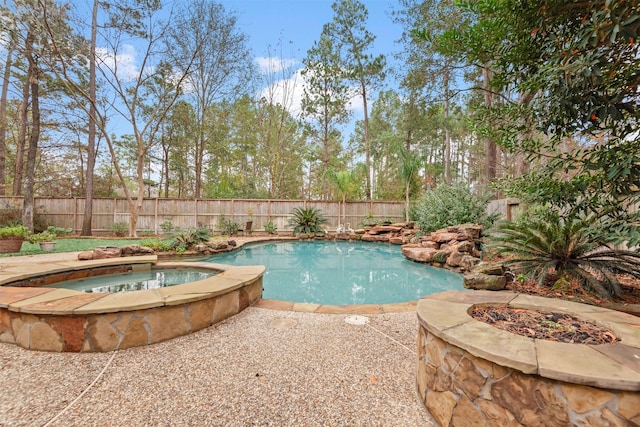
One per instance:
[(63, 320)]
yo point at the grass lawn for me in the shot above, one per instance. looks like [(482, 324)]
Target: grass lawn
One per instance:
[(72, 245)]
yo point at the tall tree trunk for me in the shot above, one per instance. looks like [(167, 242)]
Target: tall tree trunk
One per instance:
[(447, 132), (325, 161), (135, 205), (407, 188), (29, 182), (490, 145), (344, 208), (407, 194), (22, 136), (3, 120), (165, 162), (199, 157), (91, 139), (367, 143)]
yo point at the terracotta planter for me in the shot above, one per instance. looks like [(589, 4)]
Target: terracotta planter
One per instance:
[(11, 244)]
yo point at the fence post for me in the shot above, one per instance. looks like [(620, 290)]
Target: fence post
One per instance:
[(195, 212), (155, 217), (75, 214)]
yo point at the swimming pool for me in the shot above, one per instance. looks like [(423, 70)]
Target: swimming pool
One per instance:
[(340, 272)]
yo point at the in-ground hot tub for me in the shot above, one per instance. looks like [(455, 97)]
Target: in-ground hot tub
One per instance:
[(54, 319), (471, 373)]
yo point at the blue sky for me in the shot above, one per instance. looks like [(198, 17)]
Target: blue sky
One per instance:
[(299, 23), (293, 26), (287, 29)]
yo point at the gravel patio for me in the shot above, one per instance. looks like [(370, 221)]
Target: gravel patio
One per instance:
[(261, 367)]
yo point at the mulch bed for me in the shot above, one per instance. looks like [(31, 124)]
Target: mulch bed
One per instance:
[(558, 327)]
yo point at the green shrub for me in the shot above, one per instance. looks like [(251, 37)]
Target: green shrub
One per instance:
[(445, 206), (119, 229), (192, 236), (44, 236), (167, 226), (59, 231), (17, 230), (160, 245), (270, 228), (307, 220), (547, 247), (11, 215), (370, 221), (367, 221), (227, 226), (181, 248)]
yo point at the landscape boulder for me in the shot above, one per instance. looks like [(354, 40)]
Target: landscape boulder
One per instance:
[(417, 253), (398, 233), (485, 282), (103, 252), (135, 250), (490, 268), (456, 247), (486, 276)]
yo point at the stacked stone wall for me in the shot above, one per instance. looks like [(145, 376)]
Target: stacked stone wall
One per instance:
[(459, 389), (125, 329)]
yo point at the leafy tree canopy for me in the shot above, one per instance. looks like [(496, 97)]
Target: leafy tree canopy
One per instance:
[(576, 69)]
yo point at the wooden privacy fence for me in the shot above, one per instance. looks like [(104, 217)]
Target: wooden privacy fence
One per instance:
[(508, 209), (69, 212)]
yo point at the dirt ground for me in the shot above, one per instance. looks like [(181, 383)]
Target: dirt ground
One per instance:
[(574, 292)]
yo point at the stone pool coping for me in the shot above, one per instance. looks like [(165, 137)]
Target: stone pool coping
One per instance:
[(52, 301), (612, 366), (301, 307)]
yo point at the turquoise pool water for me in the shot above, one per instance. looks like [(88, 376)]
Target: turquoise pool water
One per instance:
[(340, 272), (134, 281)]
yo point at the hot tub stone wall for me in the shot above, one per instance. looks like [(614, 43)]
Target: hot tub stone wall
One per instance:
[(56, 319), (460, 389), (116, 331)]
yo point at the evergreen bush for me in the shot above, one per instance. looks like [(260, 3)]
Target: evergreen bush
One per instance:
[(445, 206)]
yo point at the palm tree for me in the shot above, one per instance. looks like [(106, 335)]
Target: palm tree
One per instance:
[(409, 167), (345, 183)]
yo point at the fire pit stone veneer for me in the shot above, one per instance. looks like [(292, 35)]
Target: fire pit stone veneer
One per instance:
[(473, 374)]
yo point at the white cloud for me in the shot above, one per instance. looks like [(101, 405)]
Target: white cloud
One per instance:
[(267, 65), (357, 106), (289, 92), (123, 63)]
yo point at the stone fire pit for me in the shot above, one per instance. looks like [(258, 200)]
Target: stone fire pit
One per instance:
[(471, 373)]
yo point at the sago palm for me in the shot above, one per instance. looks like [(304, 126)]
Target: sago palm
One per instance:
[(540, 247), (307, 220)]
